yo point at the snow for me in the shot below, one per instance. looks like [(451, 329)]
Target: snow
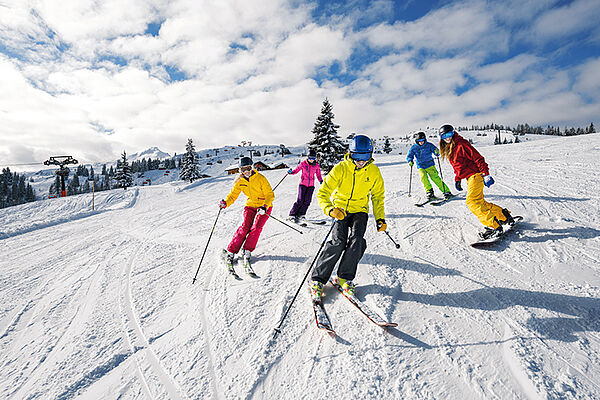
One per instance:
[(100, 304)]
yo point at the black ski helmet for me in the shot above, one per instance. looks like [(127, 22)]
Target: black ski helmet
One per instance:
[(245, 162), (312, 153), (420, 136), (446, 131)]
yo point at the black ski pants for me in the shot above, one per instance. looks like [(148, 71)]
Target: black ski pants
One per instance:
[(348, 242)]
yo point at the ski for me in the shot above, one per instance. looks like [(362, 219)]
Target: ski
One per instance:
[(427, 201), (321, 318), (489, 242), (362, 307), (317, 222), (229, 266), (442, 201), (248, 269), (293, 221), (233, 273)]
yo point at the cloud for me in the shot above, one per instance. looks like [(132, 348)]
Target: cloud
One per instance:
[(562, 22), (509, 69), (86, 78), (457, 26)]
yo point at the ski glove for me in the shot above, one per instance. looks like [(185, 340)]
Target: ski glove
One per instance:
[(290, 171), (262, 210), (320, 182), (381, 225), (436, 152), (457, 185), (337, 213), (488, 180), (222, 204), (411, 163)]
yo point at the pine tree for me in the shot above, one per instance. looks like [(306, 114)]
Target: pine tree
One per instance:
[(387, 149), (123, 174), (189, 165), (326, 142), (592, 129)]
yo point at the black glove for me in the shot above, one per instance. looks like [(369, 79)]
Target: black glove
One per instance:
[(381, 225), (262, 210), (458, 186)]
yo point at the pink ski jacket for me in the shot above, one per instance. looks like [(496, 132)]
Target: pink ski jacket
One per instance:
[(308, 173)]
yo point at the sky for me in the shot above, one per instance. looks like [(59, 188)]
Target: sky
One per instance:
[(91, 79)]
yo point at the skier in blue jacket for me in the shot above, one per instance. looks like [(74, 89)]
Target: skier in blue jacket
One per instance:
[(423, 151)]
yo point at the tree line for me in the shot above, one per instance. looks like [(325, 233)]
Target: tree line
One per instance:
[(14, 189), (523, 129)]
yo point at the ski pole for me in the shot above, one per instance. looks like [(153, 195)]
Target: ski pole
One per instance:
[(442, 175), (410, 181), (285, 176), (278, 330), (278, 220), (207, 242), (393, 241)]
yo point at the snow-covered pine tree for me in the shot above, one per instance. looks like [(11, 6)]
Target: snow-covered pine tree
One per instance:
[(123, 175), (326, 142), (189, 165), (387, 149)]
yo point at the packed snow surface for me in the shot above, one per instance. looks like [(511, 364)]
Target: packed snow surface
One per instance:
[(100, 304)]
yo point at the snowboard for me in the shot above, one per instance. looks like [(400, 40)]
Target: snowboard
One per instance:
[(483, 243)]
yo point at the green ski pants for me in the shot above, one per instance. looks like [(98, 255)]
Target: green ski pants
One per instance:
[(432, 172)]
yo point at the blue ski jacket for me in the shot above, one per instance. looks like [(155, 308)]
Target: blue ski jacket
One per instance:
[(423, 154)]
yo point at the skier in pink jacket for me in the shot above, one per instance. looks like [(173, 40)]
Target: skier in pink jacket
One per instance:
[(310, 169)]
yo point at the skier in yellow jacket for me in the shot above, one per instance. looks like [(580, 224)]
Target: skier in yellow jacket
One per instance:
[(344, 195), (256, 212)]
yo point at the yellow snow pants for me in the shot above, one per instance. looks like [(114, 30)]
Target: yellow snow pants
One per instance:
[(486, 212)]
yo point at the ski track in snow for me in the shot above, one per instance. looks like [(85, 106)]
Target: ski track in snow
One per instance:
[(101, 305)]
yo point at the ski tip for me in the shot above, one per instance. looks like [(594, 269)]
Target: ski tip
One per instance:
[(389, 325)]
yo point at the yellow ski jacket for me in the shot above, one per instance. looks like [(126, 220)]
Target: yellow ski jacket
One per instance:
[(257, 188), (349, 188)]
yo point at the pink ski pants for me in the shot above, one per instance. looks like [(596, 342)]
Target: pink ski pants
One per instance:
[(249, 232)]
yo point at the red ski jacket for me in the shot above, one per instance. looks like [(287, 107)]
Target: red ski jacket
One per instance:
[(465, 160)]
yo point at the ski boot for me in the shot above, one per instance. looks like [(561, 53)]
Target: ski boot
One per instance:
[(448, 195), (509, 219), (430, 195), (246, 255), (347, 285), (316, 291), (489, 233), (302, 219)]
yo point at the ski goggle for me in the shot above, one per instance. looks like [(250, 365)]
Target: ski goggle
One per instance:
[(446, 135), (420, 140), (360, 156), (312, 158), (246, 168)]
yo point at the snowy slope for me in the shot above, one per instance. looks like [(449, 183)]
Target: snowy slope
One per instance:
[(103, 306)]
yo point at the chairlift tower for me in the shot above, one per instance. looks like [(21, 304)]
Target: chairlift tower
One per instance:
[(62, 171)]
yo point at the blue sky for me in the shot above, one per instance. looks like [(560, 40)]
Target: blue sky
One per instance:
[(94, 78)]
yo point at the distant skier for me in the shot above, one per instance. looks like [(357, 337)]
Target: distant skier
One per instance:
[(470, 165), (344, 196), (423, 151), (310, 169), (256, 212)]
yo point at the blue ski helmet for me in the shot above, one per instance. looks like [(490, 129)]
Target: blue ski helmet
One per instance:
[(361, 148), (446, 131)]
